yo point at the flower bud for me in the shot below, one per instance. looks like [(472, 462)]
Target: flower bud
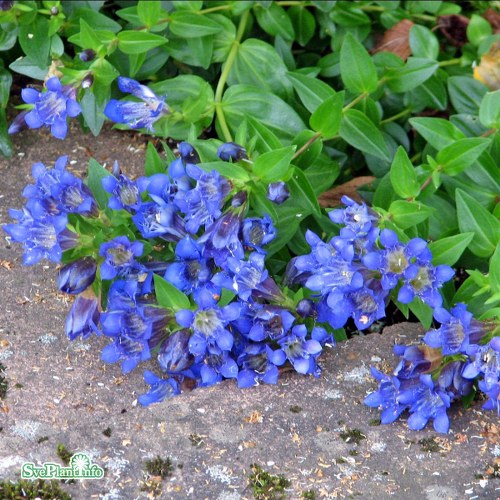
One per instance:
[(88, 81), (278, 192), (82, 318), (87, 55), (231, 151), (54, 11), (6, 4), (74, 278), (188, 153), (18, 124), (306, 309)]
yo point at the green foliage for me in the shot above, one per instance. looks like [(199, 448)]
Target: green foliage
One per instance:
[(300, 86)]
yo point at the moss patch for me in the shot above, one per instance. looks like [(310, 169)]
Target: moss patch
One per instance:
[(4, 385), (44, 490), (352, 436), (267, 486), (429, 444), (159, 467), (63, 453)]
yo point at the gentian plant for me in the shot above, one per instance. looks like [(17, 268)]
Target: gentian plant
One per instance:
[(225, 260)]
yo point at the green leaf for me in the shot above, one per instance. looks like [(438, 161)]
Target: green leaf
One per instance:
[(478, 29), (308, 156), (415, 72), (153, 164), (302, 193), (489, 111), (360, 132), (327, 116), (5, 143), (422, 311), (430, 94), (137, 42), (257, 63), (322, 174), (357, 69), (466, 94), (5, 83), (88, 37), (448, 250), (92, 112), (274, 21), (475, 218), (188, 4), (35, 41), (304, 24), (96, 173), (494, 271), (312, 92), (265, 140), (240, 101), (187, 24), (168, 296), (403, 176), (149, 12), (192, 51), (229, 170), (438, 132), (423, 42), (407, 214), (25, 66), (458, 156), (274, 165)]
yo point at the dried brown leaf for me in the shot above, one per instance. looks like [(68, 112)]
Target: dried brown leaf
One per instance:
[(331, 198), (454, 28), (396, 40), (488, 71), (493, 17)]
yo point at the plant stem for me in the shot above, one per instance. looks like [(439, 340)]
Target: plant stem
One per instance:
[(214, 9), (224, 75), (450, 62), (396, 117), (355, 101), (314, 138)]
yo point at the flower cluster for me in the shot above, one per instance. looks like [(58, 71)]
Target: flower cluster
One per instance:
[(173, 266)]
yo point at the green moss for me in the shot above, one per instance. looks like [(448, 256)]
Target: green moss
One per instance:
[(267, 486), (352, 436), (353, 453), (4, 385), (39, 489), (107, 432), (18, 386), (43, 439), (295, 409), (196, 440), (374, 422), (159, 467), (429, 444), (309, 495), (63, 453)]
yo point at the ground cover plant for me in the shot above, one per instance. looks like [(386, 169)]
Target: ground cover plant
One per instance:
[(246, 248)]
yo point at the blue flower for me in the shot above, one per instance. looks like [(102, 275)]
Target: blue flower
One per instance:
[(426, 402), (395, 259), (174, 356), (416, 360), (256, 365), (270, 322), (215, 367), (125, 192), (386, 397), (83, 318), (486, 363), (188, 154), (132, 324), (160, 390), (210, 327), (300, 352), (231, 151), (278, 192), (77, 276), (136, 114), (423, 280), (358, 220), (493, 393), (452, 380), (42, 237), (257, 232), (119, 255), (453, 334), (154, 220), (51, 108)]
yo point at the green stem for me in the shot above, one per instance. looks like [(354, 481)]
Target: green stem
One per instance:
[(314, 138), (450, 62), (215, 9), (224, 75), (355, 101), (424, 17), (396, 117)]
